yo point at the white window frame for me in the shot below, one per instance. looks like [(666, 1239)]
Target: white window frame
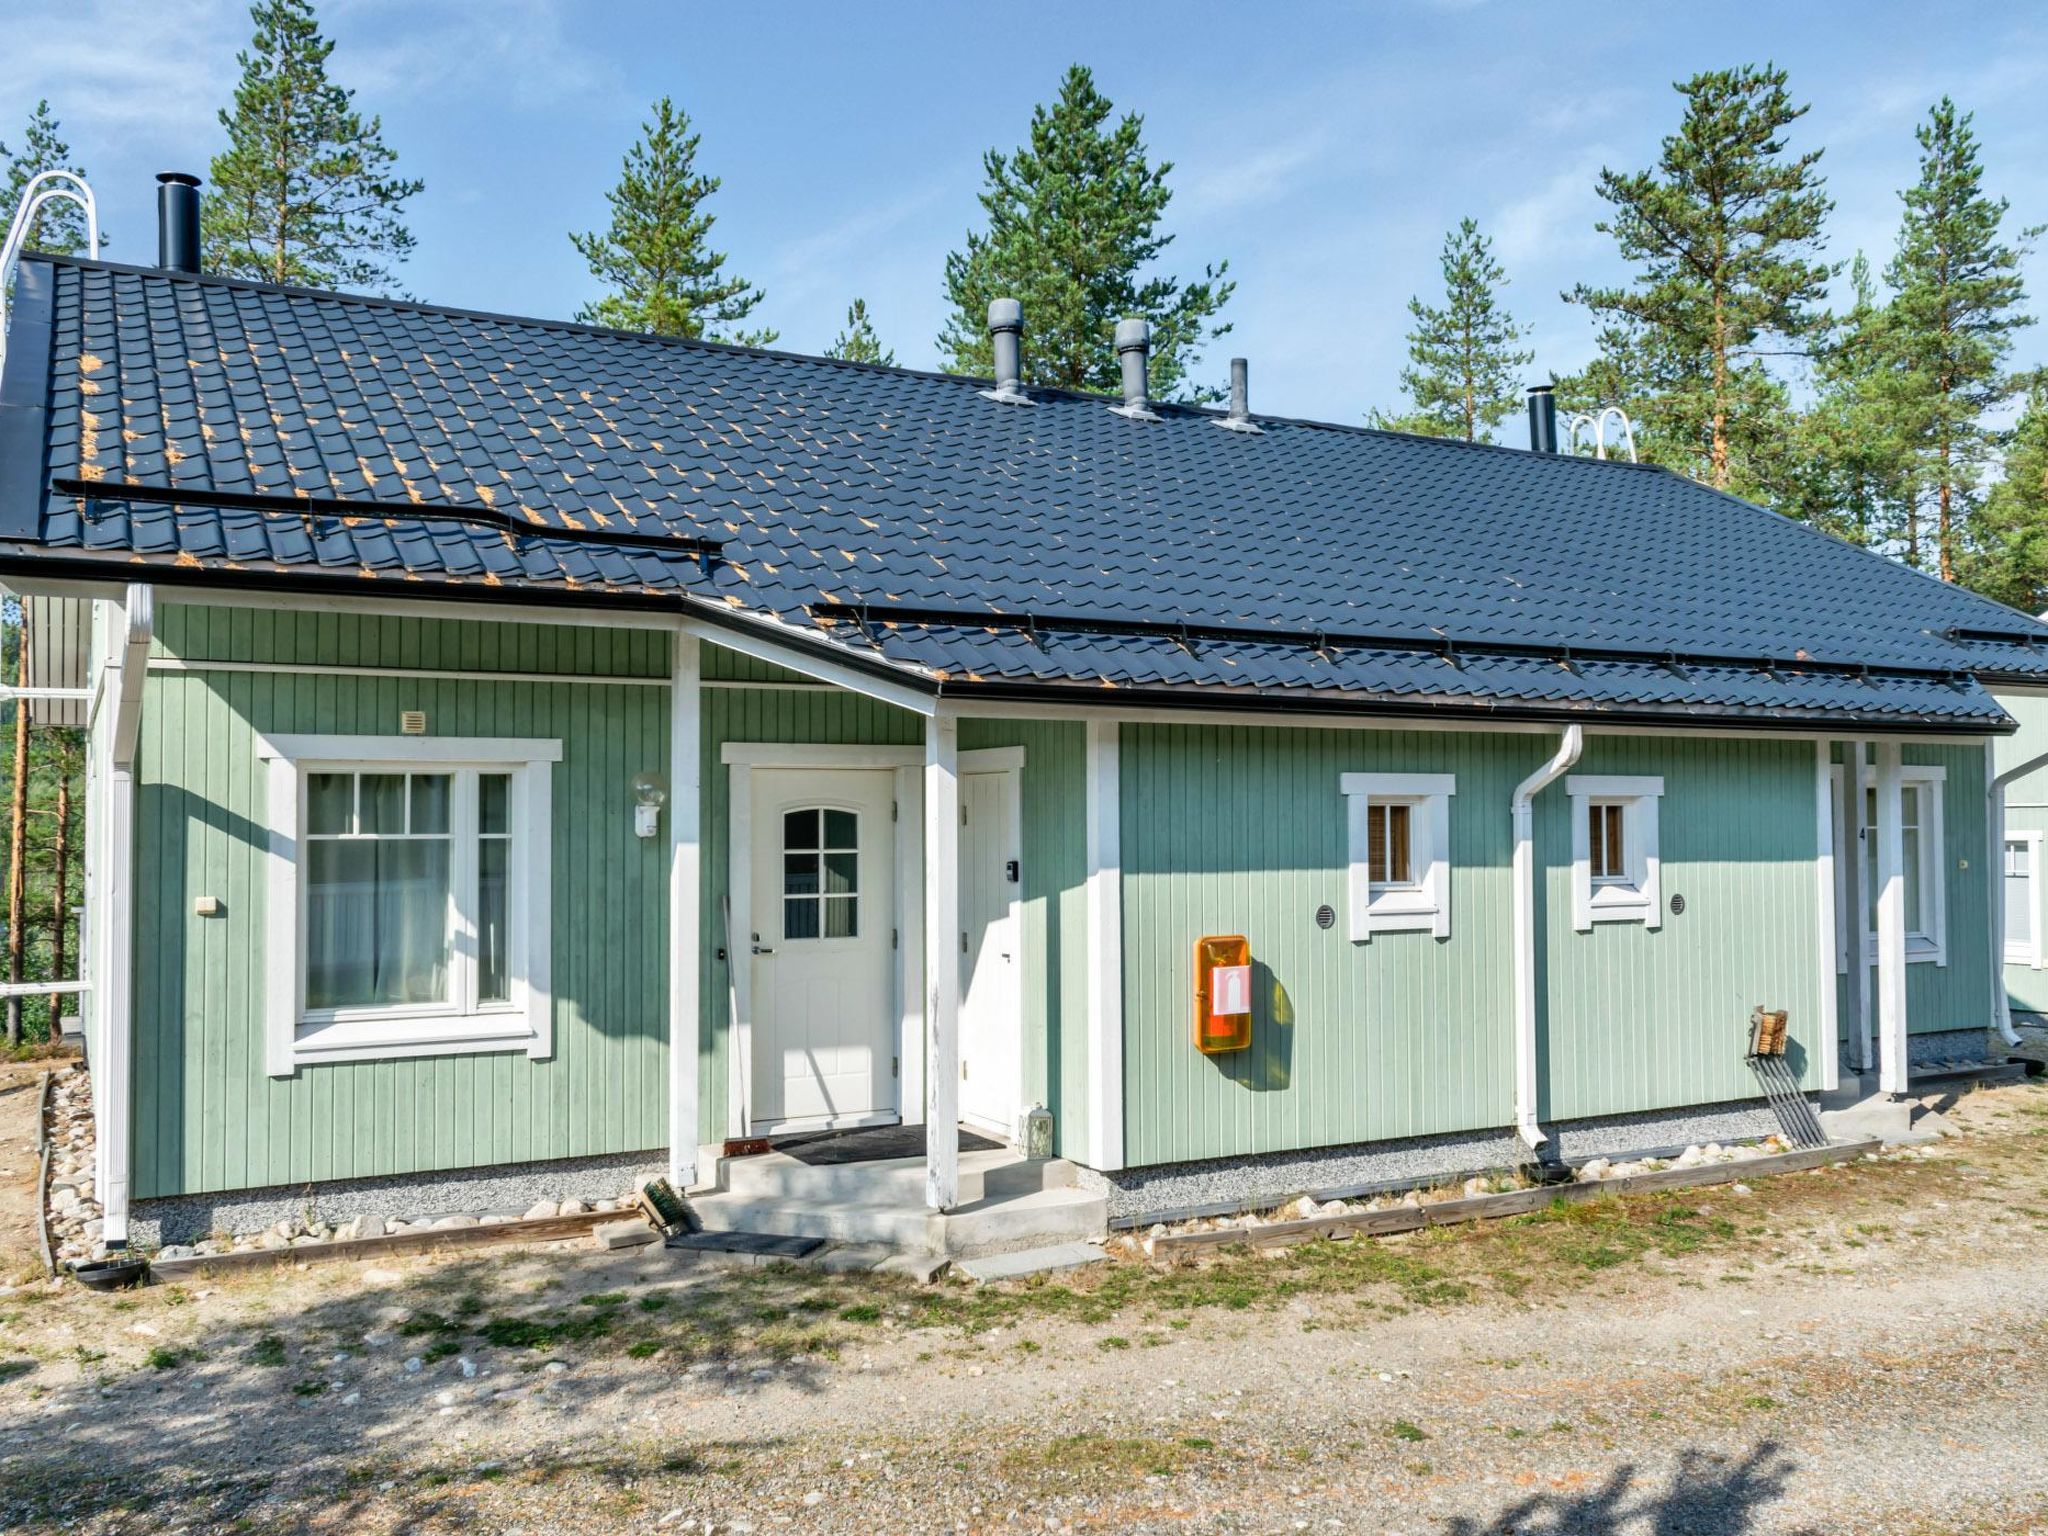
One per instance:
[(525, 1022), (1927, 944), (1637, 897), (2027, 949), (1423, 905)]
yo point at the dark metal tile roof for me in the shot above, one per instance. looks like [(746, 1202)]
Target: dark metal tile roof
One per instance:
[(838, 483)]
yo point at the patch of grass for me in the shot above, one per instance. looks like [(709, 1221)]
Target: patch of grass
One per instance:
[(1762, 1403), (1114, 1341), (269, 1350), (1069, 1456), (441, 1349), (604, 1299), (861, 1312), (422, 1324), (1401, 1429), (643, 1349), (163, 1358), (654, 1301), (312, 1386)]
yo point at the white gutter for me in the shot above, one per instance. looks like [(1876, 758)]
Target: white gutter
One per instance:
[(1568, 749), (114, 990)]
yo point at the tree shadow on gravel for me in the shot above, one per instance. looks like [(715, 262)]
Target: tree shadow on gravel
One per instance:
[(1708, 1495), (524, 1356)]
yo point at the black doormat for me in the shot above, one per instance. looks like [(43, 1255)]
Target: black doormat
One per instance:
[(764, 1245), (872, 1145)]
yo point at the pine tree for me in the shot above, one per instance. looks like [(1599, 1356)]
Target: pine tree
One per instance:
[(1856, 481), (1958, 293), (60, 226), (858, 343), (1464, 370), (1723, 233), (2009, 560), (655, 256), (305, 191), (1073, 231)]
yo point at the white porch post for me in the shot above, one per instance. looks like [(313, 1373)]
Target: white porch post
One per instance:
[(119, 713), (1105, 949), (1856, 921), (1891, 923), (685, 955), (1828, 1033), (942, 961)]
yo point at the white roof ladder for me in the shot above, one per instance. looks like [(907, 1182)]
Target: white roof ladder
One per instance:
[(42, 190)]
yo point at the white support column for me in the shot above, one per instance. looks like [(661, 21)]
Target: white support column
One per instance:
[(1855, 856), (685, 925), (1828, 926), (1105, 949), (1891, 923), (942, 961), (113, 1073)]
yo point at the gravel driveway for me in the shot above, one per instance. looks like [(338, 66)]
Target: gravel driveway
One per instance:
[(1855, 1350)]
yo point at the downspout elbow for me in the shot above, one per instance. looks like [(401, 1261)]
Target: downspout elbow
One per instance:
[(1522, 814)]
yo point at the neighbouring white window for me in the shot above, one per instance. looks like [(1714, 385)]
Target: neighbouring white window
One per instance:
[(1400, 852), (1615, 867), (1922, 861), (408, 910), (2022, 885)]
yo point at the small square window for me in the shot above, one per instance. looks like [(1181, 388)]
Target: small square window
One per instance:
[(1399, 833), (1615, 865)]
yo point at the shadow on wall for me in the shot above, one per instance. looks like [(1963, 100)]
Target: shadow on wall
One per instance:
[(1709, 1495), (1267, 1064)]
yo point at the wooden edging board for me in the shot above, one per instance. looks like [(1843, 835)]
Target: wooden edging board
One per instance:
[(43, 1177), (1408, 1218), (433, 1240)]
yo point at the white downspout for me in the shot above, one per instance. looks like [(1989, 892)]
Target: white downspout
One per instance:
[(113, 1082), (1568, 749)]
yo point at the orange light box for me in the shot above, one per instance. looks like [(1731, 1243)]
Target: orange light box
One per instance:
[(1223, 993)]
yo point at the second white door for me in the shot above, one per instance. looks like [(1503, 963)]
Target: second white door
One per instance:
[(991, 1022)]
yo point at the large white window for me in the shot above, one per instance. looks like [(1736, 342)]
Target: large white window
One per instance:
[(1615, 867), (1922, 861), (408, 897), (2022, 885), (1400, 852)]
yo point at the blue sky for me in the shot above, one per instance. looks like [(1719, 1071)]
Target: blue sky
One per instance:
[(1322, 148)]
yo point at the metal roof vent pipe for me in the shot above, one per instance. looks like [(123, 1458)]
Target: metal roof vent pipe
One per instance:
[(177, 221), (1006, 343), (1542, 419), (1134, 357), (1239, 417)]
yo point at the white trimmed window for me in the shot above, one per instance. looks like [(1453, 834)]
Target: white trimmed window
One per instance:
[(1400, 836), (2022, 886), (1614, 850), (1923, 856), (408, 886)]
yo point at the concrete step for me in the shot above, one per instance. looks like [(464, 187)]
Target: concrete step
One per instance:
[(990, 1225), (984, 1175)]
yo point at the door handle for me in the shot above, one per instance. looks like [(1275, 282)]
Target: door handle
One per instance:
[(764, 949)]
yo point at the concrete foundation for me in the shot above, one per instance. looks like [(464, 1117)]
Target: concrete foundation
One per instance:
[(1223, 1185), (407, 1197)]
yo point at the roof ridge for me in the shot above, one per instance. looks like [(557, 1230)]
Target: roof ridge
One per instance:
[(893, 370)]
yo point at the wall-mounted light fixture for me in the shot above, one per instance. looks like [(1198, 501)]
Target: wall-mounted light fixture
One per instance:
[(650, 794)]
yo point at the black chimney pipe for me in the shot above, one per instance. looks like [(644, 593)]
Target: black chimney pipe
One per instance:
[(1542, 419), (177, 221)]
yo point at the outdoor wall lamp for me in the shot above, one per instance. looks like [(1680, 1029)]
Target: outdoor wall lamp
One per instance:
[(650, 793)]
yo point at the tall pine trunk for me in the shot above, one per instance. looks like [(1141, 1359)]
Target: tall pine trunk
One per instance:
[(60, 906), (17, 839)]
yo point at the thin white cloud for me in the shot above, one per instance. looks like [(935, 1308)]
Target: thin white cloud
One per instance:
[(1271, 173)]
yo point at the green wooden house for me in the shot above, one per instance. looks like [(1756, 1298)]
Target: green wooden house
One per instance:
[(524, 754)]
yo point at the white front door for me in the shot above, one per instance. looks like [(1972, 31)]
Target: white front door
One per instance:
[(991, 1022), (823, 1024)]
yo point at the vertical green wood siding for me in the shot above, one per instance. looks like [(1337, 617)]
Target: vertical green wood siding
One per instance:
[(1243, 830), (206, 1116), (1638, 1019)]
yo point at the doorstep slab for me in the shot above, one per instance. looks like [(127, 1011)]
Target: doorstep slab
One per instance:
[(1030, 1261)]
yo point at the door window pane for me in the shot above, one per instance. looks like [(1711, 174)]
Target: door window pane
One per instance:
[(820, 874), (429, 803), (493, 802), (381, 804)]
